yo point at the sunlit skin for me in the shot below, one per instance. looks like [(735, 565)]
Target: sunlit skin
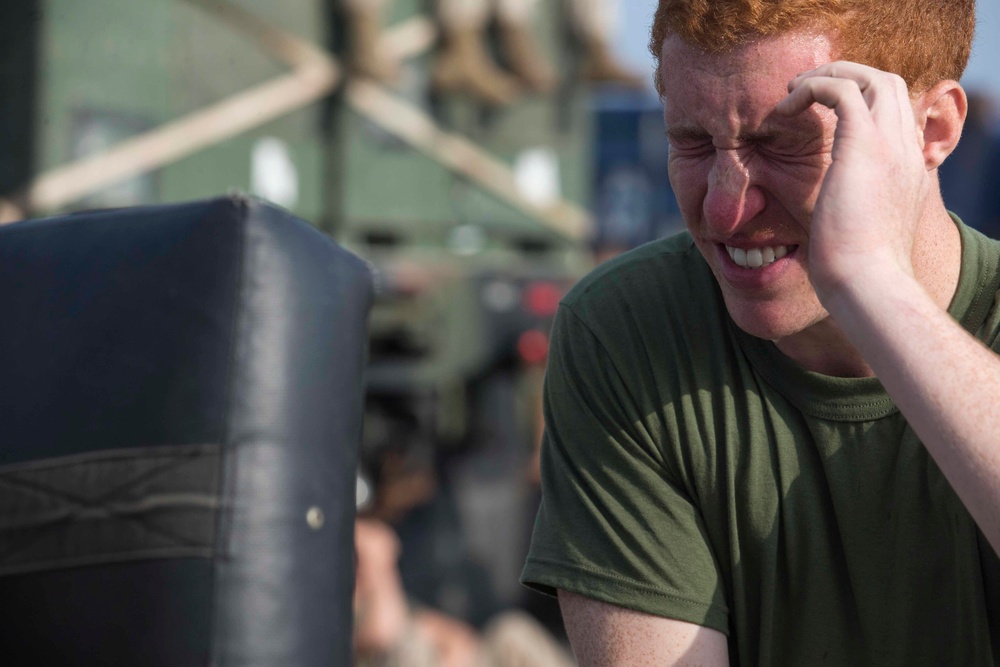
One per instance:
[(748, 177)]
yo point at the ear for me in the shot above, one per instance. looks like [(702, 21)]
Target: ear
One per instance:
[(940, 114)]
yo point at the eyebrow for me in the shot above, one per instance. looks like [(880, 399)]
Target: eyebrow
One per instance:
[(755, 137), (689, 133)]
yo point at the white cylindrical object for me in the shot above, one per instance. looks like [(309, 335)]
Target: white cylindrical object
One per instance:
[(366, 5), (597, 19), (517, 12)]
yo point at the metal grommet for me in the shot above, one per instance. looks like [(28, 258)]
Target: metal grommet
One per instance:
[(315, 518)]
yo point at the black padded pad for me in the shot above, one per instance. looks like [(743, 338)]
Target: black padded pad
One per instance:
[(181, 398)]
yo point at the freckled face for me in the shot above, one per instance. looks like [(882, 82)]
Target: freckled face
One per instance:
[(747, 179)]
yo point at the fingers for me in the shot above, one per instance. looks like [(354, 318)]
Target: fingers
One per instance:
[(865, 77), (872, 83), (857, 93), (842, 95)]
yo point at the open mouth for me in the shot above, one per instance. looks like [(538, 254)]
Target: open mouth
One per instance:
[(756, 258)]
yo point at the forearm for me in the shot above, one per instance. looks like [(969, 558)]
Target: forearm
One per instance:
[(945, 382)]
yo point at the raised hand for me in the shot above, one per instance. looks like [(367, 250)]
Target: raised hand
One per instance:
[(874, 193)]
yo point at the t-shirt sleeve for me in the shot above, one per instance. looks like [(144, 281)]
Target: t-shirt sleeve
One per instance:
[(615, 523)]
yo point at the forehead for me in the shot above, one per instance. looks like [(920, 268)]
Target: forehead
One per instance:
[(740, 86)]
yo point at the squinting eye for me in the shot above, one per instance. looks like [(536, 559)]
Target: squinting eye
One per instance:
[(781, 152), (692, 148)]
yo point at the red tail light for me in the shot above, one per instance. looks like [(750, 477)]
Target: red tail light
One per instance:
[(533, 347), (542, 299)]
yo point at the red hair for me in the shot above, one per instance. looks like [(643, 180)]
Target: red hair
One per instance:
[(923, 41)]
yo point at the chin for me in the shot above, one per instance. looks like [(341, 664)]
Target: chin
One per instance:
[(775, 320)]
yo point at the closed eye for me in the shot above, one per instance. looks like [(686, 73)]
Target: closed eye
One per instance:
[(684, 138), (792, 151), (692, 149), (690, 145)]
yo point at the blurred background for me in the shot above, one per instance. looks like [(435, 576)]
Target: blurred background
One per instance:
[(482, 155)]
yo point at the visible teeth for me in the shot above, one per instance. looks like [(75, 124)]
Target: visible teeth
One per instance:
[(754, 258)]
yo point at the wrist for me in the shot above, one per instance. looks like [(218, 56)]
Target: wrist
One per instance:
[(860, 287)]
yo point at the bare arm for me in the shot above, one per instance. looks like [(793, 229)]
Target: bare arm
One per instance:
[(604, 635), (877, 209)]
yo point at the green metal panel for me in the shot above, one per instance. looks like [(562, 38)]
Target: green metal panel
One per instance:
[(210, 61), (385, 180), (110, 70), (227, 167), (100, 56)]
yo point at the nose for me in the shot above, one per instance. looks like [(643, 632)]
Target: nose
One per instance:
[(732, 197)]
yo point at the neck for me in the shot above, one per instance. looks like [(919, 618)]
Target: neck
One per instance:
[(937, 258), (824, 348)]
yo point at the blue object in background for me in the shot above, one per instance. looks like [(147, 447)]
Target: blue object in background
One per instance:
[(633, 202)]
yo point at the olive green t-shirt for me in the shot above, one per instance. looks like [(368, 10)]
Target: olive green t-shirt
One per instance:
[(692, 471)]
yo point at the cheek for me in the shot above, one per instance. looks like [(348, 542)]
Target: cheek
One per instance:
[(689, 182), (795, 187)]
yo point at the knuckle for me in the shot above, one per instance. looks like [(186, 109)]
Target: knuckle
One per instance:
[(894, 80)]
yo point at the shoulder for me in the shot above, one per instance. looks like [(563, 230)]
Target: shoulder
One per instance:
[(660, 271), (658, 287)]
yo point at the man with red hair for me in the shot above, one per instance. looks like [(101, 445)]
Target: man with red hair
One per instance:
[(773, 439)]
